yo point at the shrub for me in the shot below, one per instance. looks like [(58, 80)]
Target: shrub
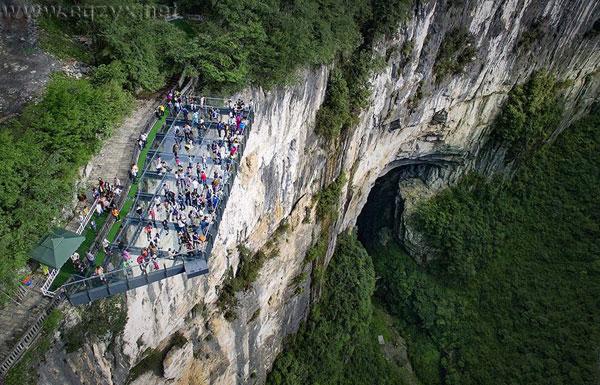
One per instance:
[(529, 116), (247, 272), (335, 110), (455, 52), (42, 151), (104, 319)]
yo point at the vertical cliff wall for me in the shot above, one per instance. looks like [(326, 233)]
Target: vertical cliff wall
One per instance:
[(416, 116)]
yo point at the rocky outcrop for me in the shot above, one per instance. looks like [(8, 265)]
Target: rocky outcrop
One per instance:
[(177, 361), (24, 68), (416, 117)]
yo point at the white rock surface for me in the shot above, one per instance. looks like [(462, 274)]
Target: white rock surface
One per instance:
[(284, 166), (178, 361)]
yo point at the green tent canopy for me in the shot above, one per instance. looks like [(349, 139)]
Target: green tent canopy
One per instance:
[(57, 247)]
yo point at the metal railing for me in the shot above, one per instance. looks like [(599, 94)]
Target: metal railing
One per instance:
[(33, 331), (120, 280)]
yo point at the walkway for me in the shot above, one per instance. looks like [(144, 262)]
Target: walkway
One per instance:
[(181, 196), (113, 160)]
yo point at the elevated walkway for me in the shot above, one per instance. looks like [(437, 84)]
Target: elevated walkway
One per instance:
[(173, 258)]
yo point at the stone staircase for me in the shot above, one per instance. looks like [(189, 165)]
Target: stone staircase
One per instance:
[(29, 330)]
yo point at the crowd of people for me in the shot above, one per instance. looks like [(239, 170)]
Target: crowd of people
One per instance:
[(196, 166)]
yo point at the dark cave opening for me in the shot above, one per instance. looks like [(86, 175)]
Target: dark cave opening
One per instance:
[(385, 204)]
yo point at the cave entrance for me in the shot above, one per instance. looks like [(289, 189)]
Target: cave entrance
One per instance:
[(385, 203)]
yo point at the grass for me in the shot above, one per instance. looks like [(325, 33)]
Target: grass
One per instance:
[(90, 234), (114, 230)]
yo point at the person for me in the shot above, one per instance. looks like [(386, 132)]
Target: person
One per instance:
[(195, 119), (148, 230), (204, 224), (75, 257), (142, 140), (90, 257), (115, 213), (154, 260), (152, 214), (105, 244), (100, 273), (142, 263), (133, 172)]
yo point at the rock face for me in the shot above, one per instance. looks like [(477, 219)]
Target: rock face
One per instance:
[(415, 119), (24, 68), (177, 361)]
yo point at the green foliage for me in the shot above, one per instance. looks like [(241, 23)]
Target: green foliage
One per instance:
[(153, 358), (530, 313), (336, 346), (335, 110), (530, 115), (110, 73), (238, 42), (247, 272), (531, 35), (148, 49), (386, 17), (104, 319), (58, 38), (23, 373), (42, 151), (458, 230), (407, 48), (456, 51), (348, 92), (329, 199)]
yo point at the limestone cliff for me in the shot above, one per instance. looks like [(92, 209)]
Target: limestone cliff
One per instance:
[(414, 118)]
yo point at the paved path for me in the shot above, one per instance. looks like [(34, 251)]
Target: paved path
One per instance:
[(115, 156)]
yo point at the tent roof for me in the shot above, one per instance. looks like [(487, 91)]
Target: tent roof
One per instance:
[(57, 247)]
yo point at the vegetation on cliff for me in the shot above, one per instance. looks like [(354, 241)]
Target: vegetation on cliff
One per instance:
[(512, 295), (337, 345), (42, 151), (529, 116), (236, 44)]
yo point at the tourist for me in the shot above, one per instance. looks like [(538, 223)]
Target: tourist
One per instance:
[(133, 172), (115, 213), (142, 140), (91, 258), (148, 230), (100, 273)]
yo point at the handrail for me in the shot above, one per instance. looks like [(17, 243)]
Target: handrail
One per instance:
[(88, 217), (210, 232)]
